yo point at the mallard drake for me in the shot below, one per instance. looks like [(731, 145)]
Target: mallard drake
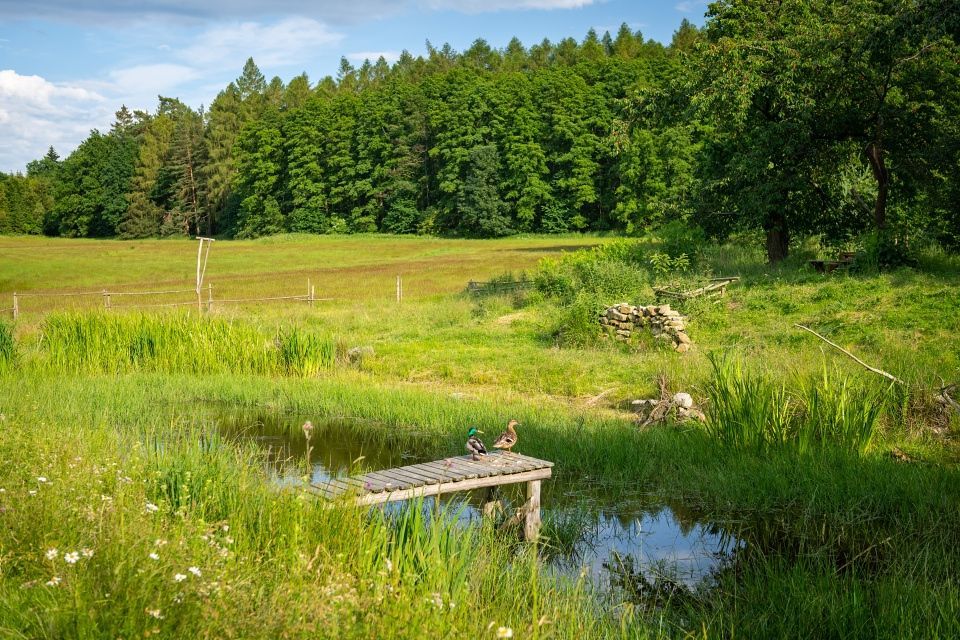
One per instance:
[(508, 438), (474, 446)]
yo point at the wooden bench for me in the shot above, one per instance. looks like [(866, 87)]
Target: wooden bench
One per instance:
[(845, 259), (459, 473)]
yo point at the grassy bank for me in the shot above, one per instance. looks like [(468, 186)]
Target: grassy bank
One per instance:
[(109, 448), (861, 528)]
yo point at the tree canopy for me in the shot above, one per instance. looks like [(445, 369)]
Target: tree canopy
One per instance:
[(792, 117)]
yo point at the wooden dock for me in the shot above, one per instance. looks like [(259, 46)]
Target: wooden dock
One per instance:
[(459, 473)]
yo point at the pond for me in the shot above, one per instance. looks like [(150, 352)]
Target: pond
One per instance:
[(617, 537)]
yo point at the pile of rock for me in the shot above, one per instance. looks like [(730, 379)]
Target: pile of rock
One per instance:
[(621, 320)]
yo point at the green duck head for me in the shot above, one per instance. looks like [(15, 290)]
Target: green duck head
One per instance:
[(473, 431)]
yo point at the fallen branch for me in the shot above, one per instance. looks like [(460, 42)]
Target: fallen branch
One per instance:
[(855, 358), (944, 395)]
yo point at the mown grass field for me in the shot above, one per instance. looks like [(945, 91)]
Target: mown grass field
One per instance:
[(102, 449)]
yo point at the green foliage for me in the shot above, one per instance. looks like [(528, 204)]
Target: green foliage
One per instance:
[(840, 413), (8, 347), (662, 264), (746, 411), (752, 412), (120, 343)]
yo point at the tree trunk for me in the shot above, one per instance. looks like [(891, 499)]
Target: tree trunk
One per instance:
[(778, 236), (874, 152)]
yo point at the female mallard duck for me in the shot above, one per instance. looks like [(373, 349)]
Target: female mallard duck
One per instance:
[(508, 438), (474, 446)]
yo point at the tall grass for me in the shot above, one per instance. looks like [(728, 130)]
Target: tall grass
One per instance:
[(746, 410), (7, 346), (105, 343), (750, 411), (835, 410)]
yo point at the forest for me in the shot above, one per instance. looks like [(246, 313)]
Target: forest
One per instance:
[(790, 119)]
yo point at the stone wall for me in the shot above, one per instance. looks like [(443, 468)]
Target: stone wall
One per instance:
[(620, 321)]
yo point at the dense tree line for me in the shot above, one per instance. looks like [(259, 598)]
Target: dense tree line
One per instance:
[(787, 116)]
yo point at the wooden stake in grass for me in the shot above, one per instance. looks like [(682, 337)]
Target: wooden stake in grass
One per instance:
[(399, 289), (202, 271), (16, 306), (855, 358)]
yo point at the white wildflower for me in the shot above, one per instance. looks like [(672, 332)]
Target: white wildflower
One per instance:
[(504, 632), (159, 542), (71, 558), (225, 528), (389, 564), (179, 577), (54, 581), (195, 571), (52, 553), (437, 600), (32, 492), (154, 556), (154, 613), (152, 508), (87, 553), (41, 479)]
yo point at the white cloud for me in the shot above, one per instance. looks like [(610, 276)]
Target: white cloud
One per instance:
[(38, 92), (284, 42), (125, 11), (686, 6), (481, 6), (37, 113), (152, 78), (373, 56)]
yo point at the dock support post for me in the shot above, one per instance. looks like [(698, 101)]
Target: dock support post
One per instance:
[(491, 503), (531, 525)]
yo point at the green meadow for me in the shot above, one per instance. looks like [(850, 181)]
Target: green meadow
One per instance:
[(128, 514)]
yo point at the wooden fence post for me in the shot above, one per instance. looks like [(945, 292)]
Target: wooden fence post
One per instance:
[(399, 289), (16, 306), (313, 294), (531, 525), (309, 294), (209, 296), (106, 299)]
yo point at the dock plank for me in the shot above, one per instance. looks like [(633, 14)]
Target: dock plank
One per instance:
[(457, 473)]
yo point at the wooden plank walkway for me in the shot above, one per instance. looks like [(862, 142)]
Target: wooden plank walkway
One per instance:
[(459, 473)]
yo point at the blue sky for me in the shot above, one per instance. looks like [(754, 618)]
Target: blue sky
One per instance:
[(67, 65)]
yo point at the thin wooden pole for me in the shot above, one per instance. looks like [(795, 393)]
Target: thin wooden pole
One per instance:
[(16, 306), (531, 525), (106, 299), (209, 296), (313, 294), (398, 289), (855, 358)]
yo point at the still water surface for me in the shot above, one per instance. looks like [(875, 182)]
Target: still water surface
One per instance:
[(615, 537)]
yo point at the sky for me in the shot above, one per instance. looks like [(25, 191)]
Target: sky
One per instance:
[(66, 66)]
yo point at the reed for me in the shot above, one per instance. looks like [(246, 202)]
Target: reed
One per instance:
[(751, 411), (105, 343)]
